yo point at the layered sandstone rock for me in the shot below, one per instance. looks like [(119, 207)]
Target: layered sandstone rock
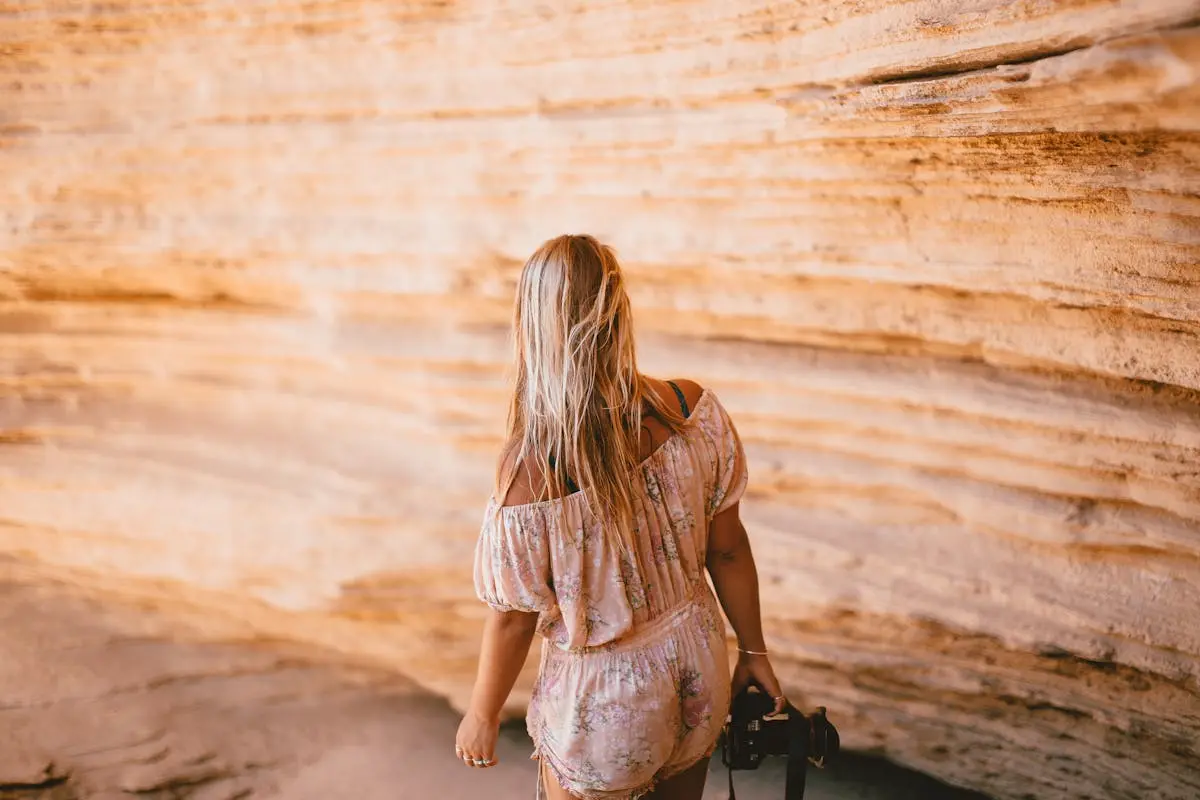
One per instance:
[(940, 262)]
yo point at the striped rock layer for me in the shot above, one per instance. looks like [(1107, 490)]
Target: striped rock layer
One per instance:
[(940, 260)]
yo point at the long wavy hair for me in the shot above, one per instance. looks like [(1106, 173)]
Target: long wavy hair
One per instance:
[(579, 400)]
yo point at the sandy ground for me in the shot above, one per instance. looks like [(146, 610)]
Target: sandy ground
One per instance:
[(100, 700)]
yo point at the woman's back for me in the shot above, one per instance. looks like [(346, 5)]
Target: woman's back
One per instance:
[(552, 556)]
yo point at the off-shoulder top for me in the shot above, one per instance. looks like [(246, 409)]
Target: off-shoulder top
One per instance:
[(552, 558)]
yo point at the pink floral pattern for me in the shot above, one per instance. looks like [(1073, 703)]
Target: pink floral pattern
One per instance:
[(634, 683)]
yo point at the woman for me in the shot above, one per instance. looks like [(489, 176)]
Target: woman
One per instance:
[(614, 493)]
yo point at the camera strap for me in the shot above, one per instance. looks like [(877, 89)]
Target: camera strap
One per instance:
[(799, 730)]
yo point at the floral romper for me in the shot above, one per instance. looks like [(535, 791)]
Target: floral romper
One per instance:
[(634, 679)]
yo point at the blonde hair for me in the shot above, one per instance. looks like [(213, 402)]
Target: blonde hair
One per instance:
[(578, 400)]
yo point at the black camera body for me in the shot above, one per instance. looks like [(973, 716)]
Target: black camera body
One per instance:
[(749, 738)]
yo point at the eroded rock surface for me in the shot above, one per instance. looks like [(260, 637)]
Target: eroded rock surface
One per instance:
[(256, 263), (102, 700), (138, 702)]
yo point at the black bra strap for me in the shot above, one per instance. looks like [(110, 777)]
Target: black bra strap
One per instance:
[(571, 487), (683, 406)]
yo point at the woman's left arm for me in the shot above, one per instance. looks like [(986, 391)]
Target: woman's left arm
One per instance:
[(507, 636)]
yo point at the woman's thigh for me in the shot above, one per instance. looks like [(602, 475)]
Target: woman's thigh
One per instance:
[(553, 790), (687, 785)]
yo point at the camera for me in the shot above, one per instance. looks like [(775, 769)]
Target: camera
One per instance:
[(749, 737)]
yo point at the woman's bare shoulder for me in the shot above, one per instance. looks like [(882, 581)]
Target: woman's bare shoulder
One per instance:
[(529, 482)]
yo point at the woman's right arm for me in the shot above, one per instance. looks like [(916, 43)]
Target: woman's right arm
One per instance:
[(731, 565)]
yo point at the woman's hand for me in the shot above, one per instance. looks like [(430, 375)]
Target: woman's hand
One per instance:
[(506, 640), (756, 671), (476, 740)]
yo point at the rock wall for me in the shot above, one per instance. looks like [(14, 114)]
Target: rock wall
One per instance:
[(940, 260)]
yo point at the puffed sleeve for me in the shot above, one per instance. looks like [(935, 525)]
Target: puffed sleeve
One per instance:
[(729, 461), (512, 561)]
